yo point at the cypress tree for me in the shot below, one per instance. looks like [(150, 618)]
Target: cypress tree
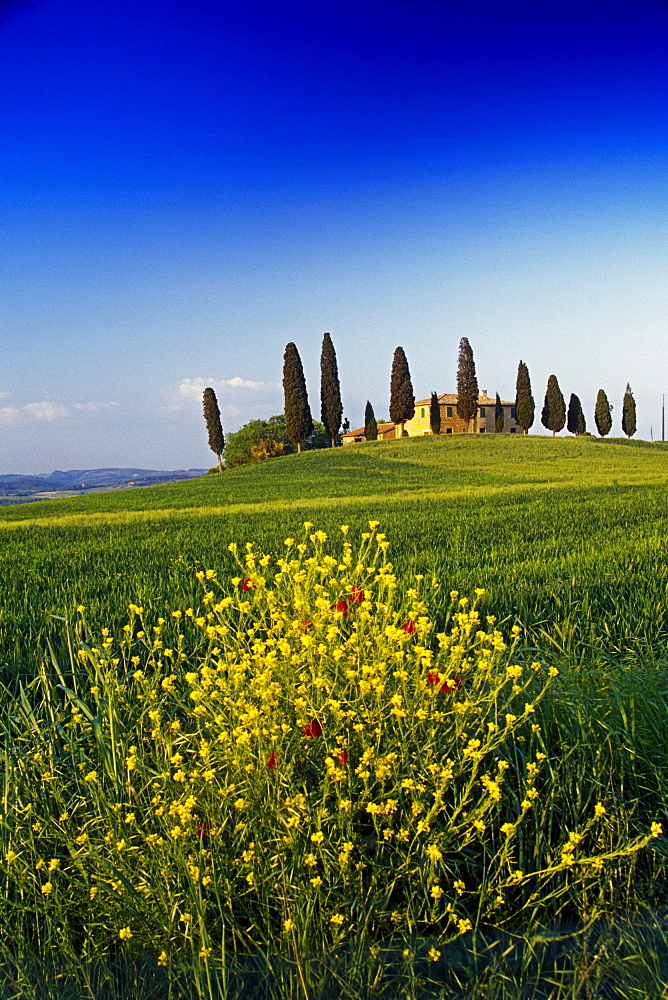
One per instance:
[(602, 414), (370, 425), (554, 408), (575, 422), (467, 383), (499, 416), (629, 413), (435, 414), (298, 420), (214, 426), (402, 400), (524, 404), (331, 409)]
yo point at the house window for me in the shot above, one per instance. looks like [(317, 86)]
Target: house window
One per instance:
[(482, 430), (512, 412), (448, 430), (482, 411), (512, 430), (422, 412), (449, 410)]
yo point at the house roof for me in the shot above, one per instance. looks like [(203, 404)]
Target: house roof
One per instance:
[(450, 399), (386, 425)]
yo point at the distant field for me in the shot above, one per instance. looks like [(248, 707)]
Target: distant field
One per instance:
[(558, 531)]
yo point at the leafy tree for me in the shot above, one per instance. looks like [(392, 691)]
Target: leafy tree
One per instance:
[(524, 404), (602, 413), (214, 426), (629, 413), (467, 383), (575, 421), (435, 414), (554, 408), (370, 423), (298, 420), (402, 400), (331, 409), (318, 438), (258, 440), (499, 416)]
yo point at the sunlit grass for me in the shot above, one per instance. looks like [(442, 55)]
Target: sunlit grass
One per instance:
[(567, 543)]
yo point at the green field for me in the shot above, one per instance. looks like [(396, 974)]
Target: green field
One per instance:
[(567, 538), (565, 534)]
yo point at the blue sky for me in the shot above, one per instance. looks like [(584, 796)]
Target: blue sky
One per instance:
[(186, 187)]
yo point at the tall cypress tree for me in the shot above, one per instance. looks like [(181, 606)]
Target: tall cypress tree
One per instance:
[(467, 383), (298, 420), (214, 426), (629, 413), (402, 400), (554, 408), (499, 416), (435, 414), (602, 414), (370, 424), (575, 421), (331, 409), (524, 404)]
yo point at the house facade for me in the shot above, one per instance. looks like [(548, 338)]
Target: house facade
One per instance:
[(451, 423)]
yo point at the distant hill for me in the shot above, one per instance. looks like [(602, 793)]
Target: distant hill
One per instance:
[(19, 489)]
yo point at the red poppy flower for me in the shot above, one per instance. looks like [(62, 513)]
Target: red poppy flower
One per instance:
[(343, 758), (433, 678), (248, 584), (272, 761), (356, 595), (312, 729), (306, 626), (203, 829), (410, 626), (341, 606)]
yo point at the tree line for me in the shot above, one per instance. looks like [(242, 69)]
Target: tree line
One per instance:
[(296, 429)]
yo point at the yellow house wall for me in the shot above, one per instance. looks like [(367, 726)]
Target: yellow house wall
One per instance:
[(419, 425)]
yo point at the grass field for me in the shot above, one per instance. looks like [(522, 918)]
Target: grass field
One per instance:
[(566, 537)]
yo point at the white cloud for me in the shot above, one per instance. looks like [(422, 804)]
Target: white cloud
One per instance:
[(46, 411), (3, 395), (93, 407), (232, 388)]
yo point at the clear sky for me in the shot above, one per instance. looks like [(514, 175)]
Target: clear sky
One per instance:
[(187, 186)]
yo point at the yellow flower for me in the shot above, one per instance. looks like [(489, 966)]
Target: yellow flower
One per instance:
[(317, 837), (91, 776), (162, 958), (337, 919), (435, 892), (288, 925), (507, 828), (53, 864), (316, 882), (434, 954), (656, 830), (93, 892), (433, 852), (125, 934), (10, 856), (47, 889), (204, 952)]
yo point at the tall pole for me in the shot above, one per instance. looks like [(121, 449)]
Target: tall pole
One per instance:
[(663, 416)]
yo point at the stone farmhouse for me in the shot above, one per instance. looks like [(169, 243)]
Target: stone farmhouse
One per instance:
[(418, 426)]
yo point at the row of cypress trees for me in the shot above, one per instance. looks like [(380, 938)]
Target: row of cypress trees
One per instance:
[(555, 417), (299, 422)]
